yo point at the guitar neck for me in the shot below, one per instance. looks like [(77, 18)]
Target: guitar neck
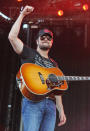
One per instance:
[(74, 78)]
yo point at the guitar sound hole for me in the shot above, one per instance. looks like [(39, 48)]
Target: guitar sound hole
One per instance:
[(53, 78)]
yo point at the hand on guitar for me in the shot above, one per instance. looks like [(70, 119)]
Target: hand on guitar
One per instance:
[(27, 10)]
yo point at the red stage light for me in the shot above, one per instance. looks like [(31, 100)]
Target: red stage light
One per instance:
[(60, 13), (19, 0), (85, 7)]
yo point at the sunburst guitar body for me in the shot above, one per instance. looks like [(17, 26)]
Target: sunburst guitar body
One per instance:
[(36, 82)]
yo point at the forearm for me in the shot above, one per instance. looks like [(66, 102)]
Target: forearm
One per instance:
[(59, 104), (16, 27), (60, 108)]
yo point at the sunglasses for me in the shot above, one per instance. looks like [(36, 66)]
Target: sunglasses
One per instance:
[(44, 37)]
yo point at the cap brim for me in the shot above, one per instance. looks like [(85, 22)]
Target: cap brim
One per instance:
[(46, 34)]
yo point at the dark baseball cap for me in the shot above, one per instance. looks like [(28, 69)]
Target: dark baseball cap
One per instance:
[(45, 31)]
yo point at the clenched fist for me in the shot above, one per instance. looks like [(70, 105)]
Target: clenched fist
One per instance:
[(27, 10)]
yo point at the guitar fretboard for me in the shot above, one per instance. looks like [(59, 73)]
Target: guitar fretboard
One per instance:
[(73, 78)]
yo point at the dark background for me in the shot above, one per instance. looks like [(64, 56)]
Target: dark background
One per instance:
[(71, 49)]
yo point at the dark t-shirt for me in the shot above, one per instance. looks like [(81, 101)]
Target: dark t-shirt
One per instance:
[(30, 55)]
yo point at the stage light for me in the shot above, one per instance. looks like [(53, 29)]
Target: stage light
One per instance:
[(85, 7), (60, 12), (25, 26), (4, 16), (19, 0)]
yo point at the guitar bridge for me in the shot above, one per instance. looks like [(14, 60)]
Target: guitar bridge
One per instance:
[(53, 81)]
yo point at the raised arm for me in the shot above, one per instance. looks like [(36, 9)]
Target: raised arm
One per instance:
[(16, 43)]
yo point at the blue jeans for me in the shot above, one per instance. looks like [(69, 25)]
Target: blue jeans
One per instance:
[(38, 116)]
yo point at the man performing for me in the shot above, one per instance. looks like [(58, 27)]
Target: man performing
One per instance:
[(40, 115)]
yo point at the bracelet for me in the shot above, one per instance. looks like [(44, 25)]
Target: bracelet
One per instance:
[(21, 9)]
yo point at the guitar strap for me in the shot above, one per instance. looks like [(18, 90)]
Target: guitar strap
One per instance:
[(55, 64)]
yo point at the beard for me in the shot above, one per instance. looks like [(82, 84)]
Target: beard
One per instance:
[(44, 48)]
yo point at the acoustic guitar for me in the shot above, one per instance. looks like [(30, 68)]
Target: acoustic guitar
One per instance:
[(36, 82)]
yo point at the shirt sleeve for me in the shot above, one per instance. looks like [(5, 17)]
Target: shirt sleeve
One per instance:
[(27, 52)]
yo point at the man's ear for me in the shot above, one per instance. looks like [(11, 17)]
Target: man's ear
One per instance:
[(37, 42), (52, 41)]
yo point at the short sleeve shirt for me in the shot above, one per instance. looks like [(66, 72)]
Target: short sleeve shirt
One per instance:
[(30, 55)]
